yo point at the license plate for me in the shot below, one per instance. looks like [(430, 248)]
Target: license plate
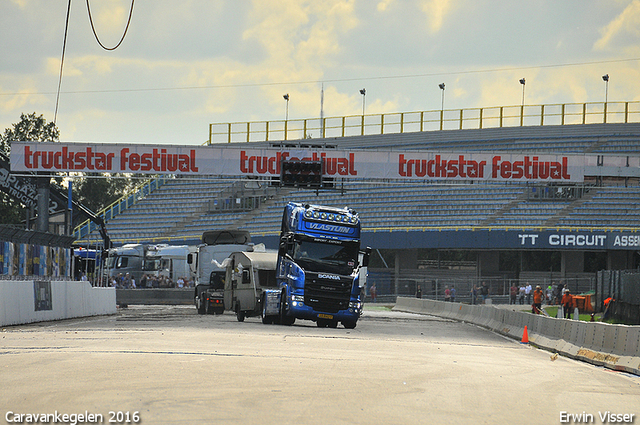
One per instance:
[(325, 316)]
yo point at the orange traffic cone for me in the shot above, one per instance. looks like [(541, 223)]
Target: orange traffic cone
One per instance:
[(525, 336)]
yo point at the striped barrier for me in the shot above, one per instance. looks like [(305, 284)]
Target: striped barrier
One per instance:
[(616, 347)]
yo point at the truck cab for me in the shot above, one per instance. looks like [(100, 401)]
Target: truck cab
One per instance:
[(127, 259), (172, 262), (320, 270)]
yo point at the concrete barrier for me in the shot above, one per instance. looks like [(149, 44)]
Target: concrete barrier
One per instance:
[(168, 296), (33, 301), (612, 346)]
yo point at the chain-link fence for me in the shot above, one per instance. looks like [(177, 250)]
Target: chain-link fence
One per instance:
[(407, 283), (623, 287)]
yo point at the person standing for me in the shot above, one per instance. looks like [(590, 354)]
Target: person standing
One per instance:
[(373, 292), (474, 294), (452, 294), (548, 295), (527, 292), (513, 294), (537, 300), (567, 304), (484, 291), (447, 293)]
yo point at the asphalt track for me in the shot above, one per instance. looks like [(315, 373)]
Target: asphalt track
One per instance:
[(167, 365)]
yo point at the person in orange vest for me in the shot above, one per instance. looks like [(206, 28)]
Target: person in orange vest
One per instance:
[(607, 305), (567, 304), (537, 300)]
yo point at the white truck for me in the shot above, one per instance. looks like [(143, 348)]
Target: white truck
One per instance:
[(216, 246), (137, 260), (248, 274), (129, 258), (173, 262)]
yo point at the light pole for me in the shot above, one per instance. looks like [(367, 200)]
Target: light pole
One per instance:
[(286, 111), (286, 115), (441, 85), (522, 81), (605, 78), (363, 92)]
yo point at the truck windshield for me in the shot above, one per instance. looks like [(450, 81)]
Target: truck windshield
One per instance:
[(151, 264), (326, 257), (216, 280)]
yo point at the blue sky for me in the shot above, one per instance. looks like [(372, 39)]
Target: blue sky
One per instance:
[(186, 64)]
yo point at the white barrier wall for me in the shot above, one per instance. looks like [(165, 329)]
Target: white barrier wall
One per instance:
[(66, 299), (614, 346)]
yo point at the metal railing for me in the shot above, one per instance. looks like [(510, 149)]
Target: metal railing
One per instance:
[(119, 206), (405, 122)]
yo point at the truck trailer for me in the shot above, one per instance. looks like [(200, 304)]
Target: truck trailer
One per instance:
[(320, 269)]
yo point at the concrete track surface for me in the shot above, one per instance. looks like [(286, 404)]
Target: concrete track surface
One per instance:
[(172, 366)]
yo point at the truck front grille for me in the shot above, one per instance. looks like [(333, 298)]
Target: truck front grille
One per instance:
[(328, 295)]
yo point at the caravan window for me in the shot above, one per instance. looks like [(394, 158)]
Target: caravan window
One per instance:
[(246, 276)]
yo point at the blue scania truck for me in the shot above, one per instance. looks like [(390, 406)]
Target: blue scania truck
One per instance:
[(320, 269)]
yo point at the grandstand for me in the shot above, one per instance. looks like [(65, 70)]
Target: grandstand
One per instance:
[(422, 214), (183, 208)]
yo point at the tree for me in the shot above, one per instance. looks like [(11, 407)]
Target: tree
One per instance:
[(29, 128), (96, 192)]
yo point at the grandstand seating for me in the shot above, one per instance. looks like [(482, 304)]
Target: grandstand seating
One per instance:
[(180, 208)]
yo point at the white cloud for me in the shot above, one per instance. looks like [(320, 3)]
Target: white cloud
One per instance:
[(626, 23), (436, 11), (19, 3), (383, 5)]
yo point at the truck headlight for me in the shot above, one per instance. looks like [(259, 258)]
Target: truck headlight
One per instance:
[(356, 305)]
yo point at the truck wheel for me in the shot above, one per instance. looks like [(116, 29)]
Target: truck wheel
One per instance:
[(333, 324), (284, 319), (321, 323), (209, 308), (349, 324), (199, 305), (239, 313)]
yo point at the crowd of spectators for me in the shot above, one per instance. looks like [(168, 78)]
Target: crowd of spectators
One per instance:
[(127, 281)]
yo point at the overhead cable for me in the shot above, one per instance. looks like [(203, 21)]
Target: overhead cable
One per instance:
[(123, 34)]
